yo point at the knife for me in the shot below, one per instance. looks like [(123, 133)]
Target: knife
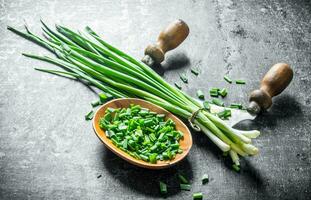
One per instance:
[(169, 38), (273, 83)]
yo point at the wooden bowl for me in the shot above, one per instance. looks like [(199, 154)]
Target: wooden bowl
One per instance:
[(185, 142)]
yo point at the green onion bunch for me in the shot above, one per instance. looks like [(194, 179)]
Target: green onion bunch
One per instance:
[(87, 57)]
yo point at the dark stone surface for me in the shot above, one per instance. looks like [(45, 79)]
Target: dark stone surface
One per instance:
[(48, 150)]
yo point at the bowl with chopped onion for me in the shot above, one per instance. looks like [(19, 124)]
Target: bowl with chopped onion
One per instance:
[(142, 133)]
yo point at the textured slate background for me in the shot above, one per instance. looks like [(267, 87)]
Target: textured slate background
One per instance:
[(48, 150)]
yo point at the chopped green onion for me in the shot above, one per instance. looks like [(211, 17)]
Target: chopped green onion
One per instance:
[(240, 82), (214, 92), (124, 144), (152, 137), (214, 89), (110, 110), (185, 187), (200, 94), (236, 167), (197, 196), (183, 179), (195, 71), (104, 97), (177, 85), (227, 79), (206, 105), (161, 115), (183, 78), (163, 187), (115, 142), (143, 134), (223, 92), (143, 157), (236, 105), (153, 158), (225, 114), (218, 102), (89, 115), (205, 179), (95, 103)]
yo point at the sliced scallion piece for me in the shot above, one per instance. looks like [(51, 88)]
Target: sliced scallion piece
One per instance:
[(206, 105), (240, 82), (218, 102), (104, 97), (184, 78), (223, 92), (225, 114), (227, 79), (236, 105), (214, 92), (195, 71), (205, 179), (200, 94), (197, 196), (183, 179), (153, 158), (236, 167), (89, 115), (163, 187), (177, 85), (95, 103), (185, 186)]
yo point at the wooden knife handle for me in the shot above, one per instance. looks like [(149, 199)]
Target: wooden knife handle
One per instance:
[(272, 84), (172, 36)]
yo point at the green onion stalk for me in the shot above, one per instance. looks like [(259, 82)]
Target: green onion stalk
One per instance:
[(87, 57)]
